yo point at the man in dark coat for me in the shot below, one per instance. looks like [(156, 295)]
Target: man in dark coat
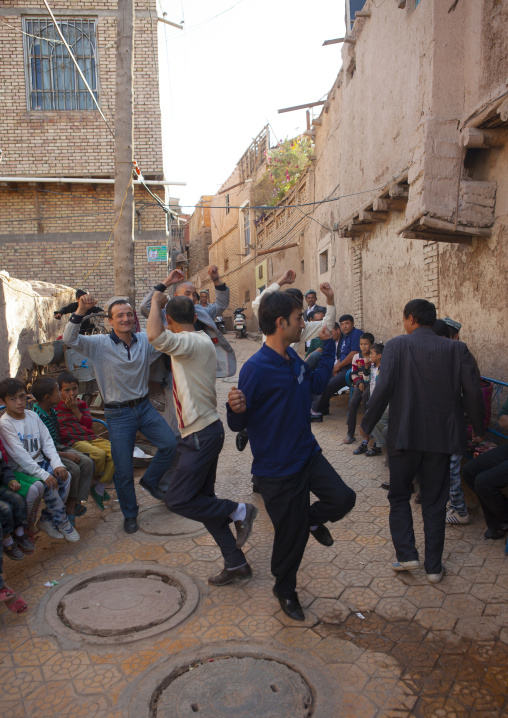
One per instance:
[(429, 383)]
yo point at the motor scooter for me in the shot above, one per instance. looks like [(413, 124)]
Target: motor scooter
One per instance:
[(239, 322), (219, 323)]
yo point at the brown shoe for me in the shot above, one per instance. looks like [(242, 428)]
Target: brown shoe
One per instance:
[(229, 575), (244, 528)]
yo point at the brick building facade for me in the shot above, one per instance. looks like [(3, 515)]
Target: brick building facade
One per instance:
[(59, 231)]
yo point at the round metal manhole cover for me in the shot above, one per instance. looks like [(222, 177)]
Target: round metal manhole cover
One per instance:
[(239, 687), (121, 604), (160, 521)]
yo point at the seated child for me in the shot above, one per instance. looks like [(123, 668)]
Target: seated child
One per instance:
[(80, 466), (12, 600), (31, 450), (28, 487), (376, 351), (75, 423), (360, 376), (13, 516)]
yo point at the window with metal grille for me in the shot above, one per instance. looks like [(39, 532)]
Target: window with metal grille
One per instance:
[(52, 80)]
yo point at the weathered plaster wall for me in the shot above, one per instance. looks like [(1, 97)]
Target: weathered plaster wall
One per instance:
[(408, 87), (26, 317)]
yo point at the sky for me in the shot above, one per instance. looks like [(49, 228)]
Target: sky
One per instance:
[(224, 77)]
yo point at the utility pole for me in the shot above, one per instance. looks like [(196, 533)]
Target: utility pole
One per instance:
[(123, 248)]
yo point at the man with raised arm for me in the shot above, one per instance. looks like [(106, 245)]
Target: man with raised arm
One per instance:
[(310, 329), (226, 360), (122, 363), (191, 490), (272, 402)]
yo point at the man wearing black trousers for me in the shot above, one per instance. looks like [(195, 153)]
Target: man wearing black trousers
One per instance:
[(273, 402), (429, 383), (191, 488)]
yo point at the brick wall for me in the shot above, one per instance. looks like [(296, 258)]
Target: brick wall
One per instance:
[(78, 143), (62, 239)]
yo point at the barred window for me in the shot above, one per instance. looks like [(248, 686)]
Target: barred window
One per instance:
[(53, 82)]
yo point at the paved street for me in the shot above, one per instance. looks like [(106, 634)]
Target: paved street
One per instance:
[(373, 644)]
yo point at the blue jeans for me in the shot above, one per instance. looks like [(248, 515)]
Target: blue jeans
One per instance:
[(123, 424), (54, 499), (457, 499)]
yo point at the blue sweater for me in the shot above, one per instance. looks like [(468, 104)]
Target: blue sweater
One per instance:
[(278, 394)]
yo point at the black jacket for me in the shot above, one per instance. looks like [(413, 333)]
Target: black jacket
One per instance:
[(430, 383)]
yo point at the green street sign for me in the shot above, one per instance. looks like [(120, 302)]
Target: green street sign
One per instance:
[(157, 254)]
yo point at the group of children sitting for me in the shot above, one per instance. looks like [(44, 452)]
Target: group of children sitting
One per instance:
[(48, 454)]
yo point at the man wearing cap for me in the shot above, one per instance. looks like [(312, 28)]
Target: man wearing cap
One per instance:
[(204, 296), (312, 307), (454, 328), (349, 345)]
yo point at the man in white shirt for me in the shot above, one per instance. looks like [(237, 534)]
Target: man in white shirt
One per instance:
[(191, 487)]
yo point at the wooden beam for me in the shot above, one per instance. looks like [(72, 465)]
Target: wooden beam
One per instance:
[(301, 107), (349, 40), (365, 216), (362, 13), (388, 205), (356, 230), (440, 224), (168, 22), (436, 237), (277, 249), (473, 137), (399, 190), (317, 121)]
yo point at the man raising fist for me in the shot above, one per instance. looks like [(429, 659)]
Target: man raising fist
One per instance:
[(122, 363)]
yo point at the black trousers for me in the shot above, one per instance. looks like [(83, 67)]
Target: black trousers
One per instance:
[(191, 489), (287, 503), (336, 383), (433, 471), (358, 398), (487, 475)]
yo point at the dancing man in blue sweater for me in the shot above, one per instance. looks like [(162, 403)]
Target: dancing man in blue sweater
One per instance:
[(273, 401)]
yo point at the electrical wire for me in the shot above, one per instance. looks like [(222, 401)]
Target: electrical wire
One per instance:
[(201, 24)]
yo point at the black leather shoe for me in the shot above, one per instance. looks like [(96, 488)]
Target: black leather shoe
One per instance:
[(229, 575), (495, 533), (154, 491), (385, 485), (322, 535), (291, 606), (316, 417), (130, 525), (243, 528), (242, 439)]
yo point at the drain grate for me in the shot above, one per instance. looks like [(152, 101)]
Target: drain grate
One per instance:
[(232, 686), (121, 604), (159, 521)]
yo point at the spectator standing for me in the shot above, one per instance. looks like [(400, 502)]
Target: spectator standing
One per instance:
[(429, 383), (360, 376), (312, 306), (86, 325)]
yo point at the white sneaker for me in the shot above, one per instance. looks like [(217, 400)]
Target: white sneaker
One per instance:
[(68, 531), (452, 517), (435, 577), (48, 528), (405, 565)]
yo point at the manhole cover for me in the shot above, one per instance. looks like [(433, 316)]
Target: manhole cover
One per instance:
[(221, 687), (121, 604), (159, 521)]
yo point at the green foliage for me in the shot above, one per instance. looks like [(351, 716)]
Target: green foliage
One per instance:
[(286, 164)]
